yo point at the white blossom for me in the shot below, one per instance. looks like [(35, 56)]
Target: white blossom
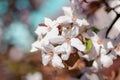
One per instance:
[(70, 18), (35, 76)]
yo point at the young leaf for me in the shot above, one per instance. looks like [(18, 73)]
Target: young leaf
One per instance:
[(95, 29), (88, 45)]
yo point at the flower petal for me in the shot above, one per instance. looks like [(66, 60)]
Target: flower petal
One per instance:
[(106, 61), (57, 40), (45, 59), (82, 22), (67, 11), (67, 49), (64, 19), (77, 44), (48, 22), (57, 62), (41, 31), (37, 44), (59, 50), (92, 77), (33, 49), (96, 64), (115, 31)]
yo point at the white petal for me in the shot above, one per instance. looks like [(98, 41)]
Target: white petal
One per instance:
[(67, 49), (82, 22), (73, 32), (109, 45), (113, 3), (106, 61), (45, 59), (77, 44), (33, 49), (117, 52), (65, 56), (57, 40), (37, 44), (64, 19), (92, 77), (48, 22), (103, 51), (59, 50), (117, 10), (79, 22), (96, 65), (54, 24), (35, 76), (48, 48), (67, 11), (57, 62), (53, 32), (41, 30), (115, 31), (102, 19)]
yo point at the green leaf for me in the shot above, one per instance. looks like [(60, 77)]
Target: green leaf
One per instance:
[(96, 30), (88, 45)]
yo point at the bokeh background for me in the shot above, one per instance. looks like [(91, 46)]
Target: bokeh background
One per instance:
[(18, 20)]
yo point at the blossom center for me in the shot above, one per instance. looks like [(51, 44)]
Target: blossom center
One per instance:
[(49, 28), (67, 39), (99, 41), (74, 18), (117, 48), (51, 53)]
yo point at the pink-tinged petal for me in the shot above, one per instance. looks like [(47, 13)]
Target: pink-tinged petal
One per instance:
[(106, 61), (57, 40), (100, 22), (57, 62), (117, 52), (45, 59), (77, 44), (67, 11)]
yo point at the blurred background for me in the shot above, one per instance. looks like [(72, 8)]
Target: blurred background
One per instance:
[(18, 20)]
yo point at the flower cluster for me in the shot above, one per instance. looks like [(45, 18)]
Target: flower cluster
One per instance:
[(67, 35)]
